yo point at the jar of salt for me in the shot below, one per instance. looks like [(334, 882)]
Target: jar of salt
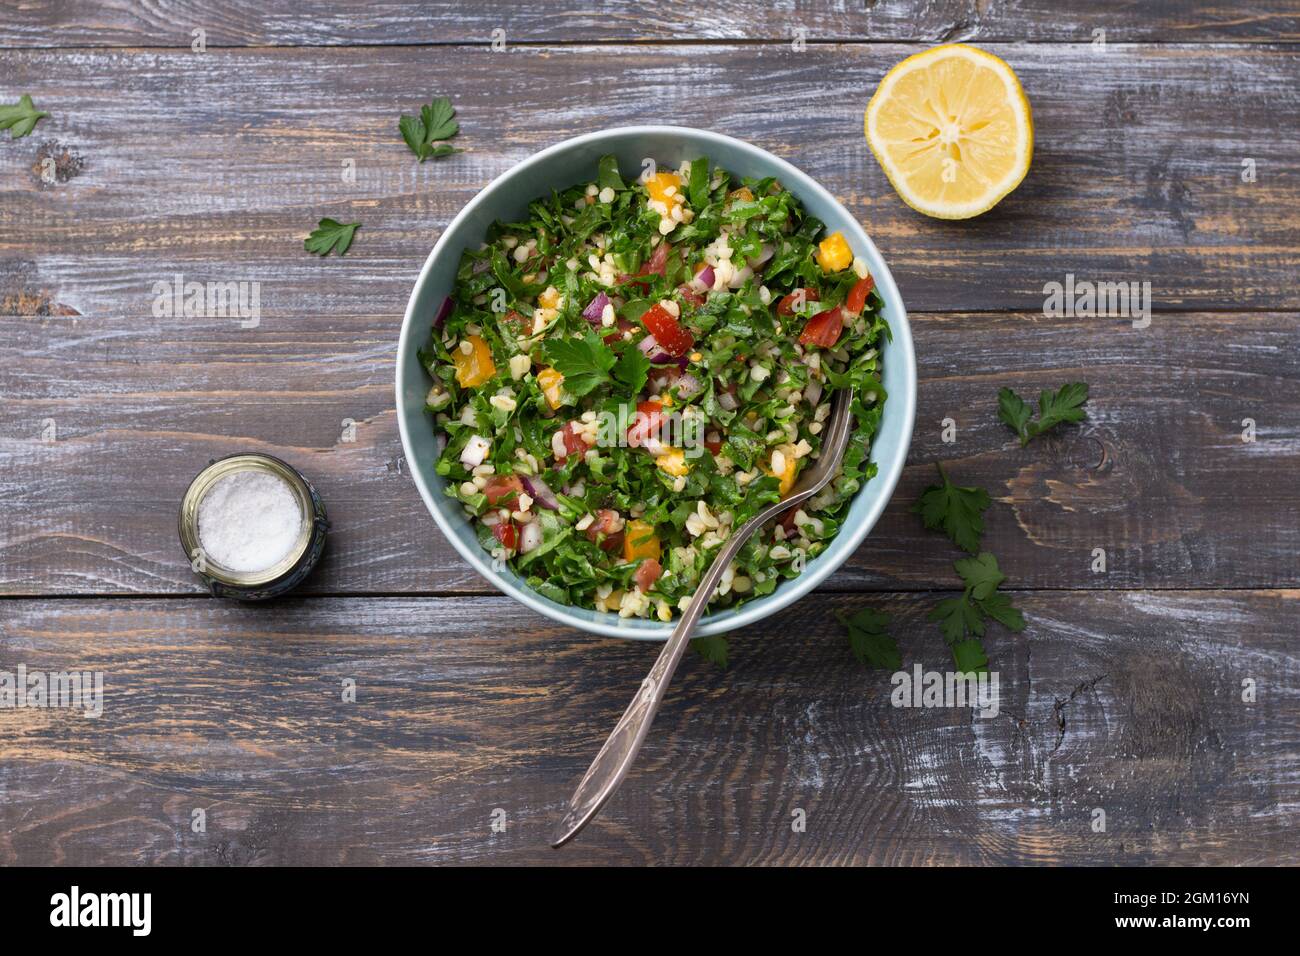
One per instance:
[(252, 527)]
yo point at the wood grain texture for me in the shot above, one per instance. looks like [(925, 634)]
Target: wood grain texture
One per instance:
[(1126, 702), (1159, 476), (217, 165), (104, 23)]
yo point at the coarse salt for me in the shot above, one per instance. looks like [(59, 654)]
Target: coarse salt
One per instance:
[(249, 521)]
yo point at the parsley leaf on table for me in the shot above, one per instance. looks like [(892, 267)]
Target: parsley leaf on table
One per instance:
[(435, 122), (21, 117), (981, 574), (969, 656), (1054, 408), (961, 617), (584, 362), (956, 617), (958, 511), (330, 235), (713, 649), (999, 607), (868, 640)]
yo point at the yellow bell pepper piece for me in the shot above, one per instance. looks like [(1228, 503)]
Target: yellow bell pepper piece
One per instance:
[(786, 476), (673, 461), (743, 194), (550, 298), (475, 366), (658, 186), (834, 254), (639, 541), (551, 383)]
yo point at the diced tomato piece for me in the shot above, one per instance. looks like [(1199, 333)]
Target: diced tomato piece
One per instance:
[(857, 299), (606, 521), (713, 442), (575, 443), (787, 304), (823, 329), (649, 416), (786, 521), (505, 533), (688, 294), (647, 574), (514, 318), (668, 332), (502, 488)]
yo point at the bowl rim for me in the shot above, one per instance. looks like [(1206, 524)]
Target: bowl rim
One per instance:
[(789, 591)]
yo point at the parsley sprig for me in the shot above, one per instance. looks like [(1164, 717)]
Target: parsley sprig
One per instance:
[(20, 118), (963, 620), (958, 511), (425, 133), (330, 236), (1054, 408), (587, 363)]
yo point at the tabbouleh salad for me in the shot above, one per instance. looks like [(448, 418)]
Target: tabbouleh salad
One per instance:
[(640, 366)]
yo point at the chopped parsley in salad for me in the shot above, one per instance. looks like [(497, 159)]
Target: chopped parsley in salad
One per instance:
[(638, 367)]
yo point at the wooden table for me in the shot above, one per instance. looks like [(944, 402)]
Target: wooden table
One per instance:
[(1125, 693)]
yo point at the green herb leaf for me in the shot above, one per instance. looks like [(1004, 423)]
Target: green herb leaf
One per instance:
[(607, 174), (969, 656), (435, 122), (999, 607), (1054, 408), (331, 236), (868, 640), (632, 370), (20, 118), (956, 617), (713, 649), (958, 511), (697, 190), (1065, 405), (980, 574), (584, 362), (1013, 410)]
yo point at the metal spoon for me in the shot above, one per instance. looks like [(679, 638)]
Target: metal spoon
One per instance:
[(615, 758)]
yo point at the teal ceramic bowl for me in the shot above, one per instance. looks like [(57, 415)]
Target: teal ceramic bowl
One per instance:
[(574, 161)]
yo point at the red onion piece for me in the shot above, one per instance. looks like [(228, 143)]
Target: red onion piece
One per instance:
[(530, 537), (687, 385), (443, 311), (728, 401), (764, 255), (703, 280), (647, 344), (596, 308), (540, 492)]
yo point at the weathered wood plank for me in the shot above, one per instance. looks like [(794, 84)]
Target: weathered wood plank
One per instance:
[(220, 163), (101, 23), (1159, 477), (1130, 703)]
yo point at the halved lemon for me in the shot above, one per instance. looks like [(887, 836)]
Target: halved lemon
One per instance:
[(952, 129)]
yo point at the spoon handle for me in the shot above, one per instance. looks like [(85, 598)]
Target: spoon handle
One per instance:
[(615, 758)]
